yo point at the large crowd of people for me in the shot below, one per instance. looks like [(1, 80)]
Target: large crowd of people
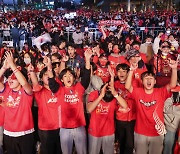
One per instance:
[(115, 93)]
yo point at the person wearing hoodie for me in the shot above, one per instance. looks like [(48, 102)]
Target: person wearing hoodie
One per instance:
[(172, 120)]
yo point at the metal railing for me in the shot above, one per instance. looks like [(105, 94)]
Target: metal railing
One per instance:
[(141, 31)]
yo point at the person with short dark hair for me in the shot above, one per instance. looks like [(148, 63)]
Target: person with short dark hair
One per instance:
[(70, 96), (48, 111), (149, 127), (125, 119)]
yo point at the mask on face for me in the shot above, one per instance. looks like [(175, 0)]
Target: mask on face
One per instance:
[(27, 61), (168, 31)]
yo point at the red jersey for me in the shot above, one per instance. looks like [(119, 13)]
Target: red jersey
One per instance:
[(72, 109), (114, 61), (150, 119), (137, 76), (62, 52), (17, 108), (1, 116), (48, 109), (102, 118), (103, 73), (130, 113)]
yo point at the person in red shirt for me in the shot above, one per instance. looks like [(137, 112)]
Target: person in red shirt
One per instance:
[(48, 112), (102, 105), (102, 68), (149, 127), (17, 103), (1, 124), (70, 96), (125, 119), (115, 57), (133, 57), (62, 46)]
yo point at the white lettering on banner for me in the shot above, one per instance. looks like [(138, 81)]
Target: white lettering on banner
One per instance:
[(102, 109), (52, 100), (113, 22), (71, 98)]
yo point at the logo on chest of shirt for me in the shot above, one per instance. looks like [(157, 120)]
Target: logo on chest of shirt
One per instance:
[(52, 100), (147, 104), (123, 93), (72, 98), (136, 75), (102, 109), (102, 73), (11, 102)]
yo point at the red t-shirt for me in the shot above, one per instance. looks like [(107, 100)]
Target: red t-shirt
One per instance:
[(114, 61), (149, 110), (103, 73), (72, 109), (130, 113), (102, 118), (137, 76), (62, 52), (1, 116), (48, 107), (17, 108)]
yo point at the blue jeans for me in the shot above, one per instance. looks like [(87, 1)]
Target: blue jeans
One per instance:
[(169, 142), (78, 135)]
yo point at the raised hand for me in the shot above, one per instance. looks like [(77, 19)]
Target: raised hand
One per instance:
[(9, 58), (65, 58), (88, 53), (47, 61), (111, 72), (160, 34), (173, 64), (30, 68), (103, 90), (134, 66), (5, 64), (112, 89)]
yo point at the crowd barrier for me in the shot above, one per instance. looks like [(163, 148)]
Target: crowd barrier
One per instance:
[(96, 34)]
